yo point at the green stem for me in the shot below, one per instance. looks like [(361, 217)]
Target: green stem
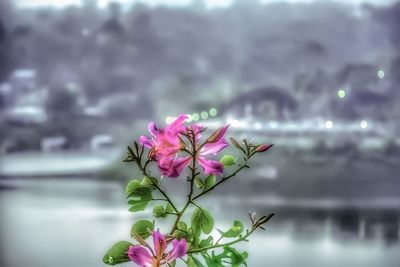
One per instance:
[(221, 181), (193, 175), (157, 186), (243, 238)]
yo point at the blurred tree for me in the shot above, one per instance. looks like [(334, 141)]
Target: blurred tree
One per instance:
[(5, 52), (62, 102)]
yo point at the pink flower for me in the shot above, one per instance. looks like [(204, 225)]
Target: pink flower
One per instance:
[(214, 144), (164, 145), (165, 142), (144, 256)]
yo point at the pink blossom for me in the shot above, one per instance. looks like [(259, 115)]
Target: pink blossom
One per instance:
[(164, 145), (212, 147), (145, 256), (165, 142)]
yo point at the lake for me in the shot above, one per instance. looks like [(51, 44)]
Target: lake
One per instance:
[(70, 222)]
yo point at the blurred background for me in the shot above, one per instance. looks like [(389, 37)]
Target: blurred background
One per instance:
[(80, 79)]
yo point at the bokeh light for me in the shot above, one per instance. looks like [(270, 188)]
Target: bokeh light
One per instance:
[(213, 112), (328, 124), (195, 116), (363, 124), (341, 93), (204, 115), (381, 74)]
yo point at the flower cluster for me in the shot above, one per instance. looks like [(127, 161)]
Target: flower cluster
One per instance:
[(166, 144), (174, 149)]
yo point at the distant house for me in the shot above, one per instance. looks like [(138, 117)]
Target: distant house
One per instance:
[(266, 102), (25, 115), (23, 80), (357, 76), (56, 143), (101, 141)]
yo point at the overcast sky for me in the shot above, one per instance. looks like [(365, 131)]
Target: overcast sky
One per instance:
[(209, 3)]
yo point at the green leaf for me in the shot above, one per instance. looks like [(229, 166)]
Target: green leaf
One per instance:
[(143, 228), (212, 261), (169, 208), (117, 253), (149, 181), (172, 263), (206, 242), (228, 160), (182, 231), (182, 226), (139, 196), (193, 262), (202, 220), (198, 182), (132, 185), (159, 212), (236, 258), (235, 230), (209, 182)]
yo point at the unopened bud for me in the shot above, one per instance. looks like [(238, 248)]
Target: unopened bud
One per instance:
[(228, 160), (263, 148), (217, 135), (235, 143)]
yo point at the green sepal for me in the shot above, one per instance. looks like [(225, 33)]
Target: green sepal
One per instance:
[(117, 253)]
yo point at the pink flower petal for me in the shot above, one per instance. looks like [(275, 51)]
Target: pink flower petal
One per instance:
[(218, 134), (140, 255), (172, 167), (179, 249), (147, 142), (211, 166), (214, 148), (177, 125), (160, 244), (153, 128), (197, 130)]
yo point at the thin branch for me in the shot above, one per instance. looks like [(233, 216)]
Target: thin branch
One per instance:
[(223, 179)]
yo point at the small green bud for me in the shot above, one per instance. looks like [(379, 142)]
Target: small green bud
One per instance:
[(228, 160)]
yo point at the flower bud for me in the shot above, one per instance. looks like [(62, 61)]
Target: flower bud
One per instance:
[(228, 160), (235, 143), (217, 135), (263, 148)]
